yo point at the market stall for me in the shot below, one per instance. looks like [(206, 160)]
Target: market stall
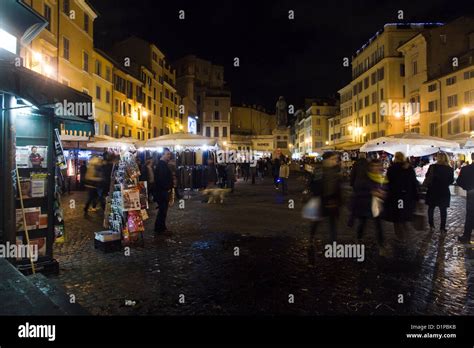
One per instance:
[(191, 155), (412, 145), (106, 142)]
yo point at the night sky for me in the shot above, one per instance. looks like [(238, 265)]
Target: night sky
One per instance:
[(296, 58)]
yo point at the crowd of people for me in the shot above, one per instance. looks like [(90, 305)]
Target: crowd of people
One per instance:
[(160, 174), (379, 193), (391, 195)]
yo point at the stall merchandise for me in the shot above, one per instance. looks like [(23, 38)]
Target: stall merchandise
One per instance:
[(125, 206)]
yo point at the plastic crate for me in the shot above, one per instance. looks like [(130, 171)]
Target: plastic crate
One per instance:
[(108, 247)]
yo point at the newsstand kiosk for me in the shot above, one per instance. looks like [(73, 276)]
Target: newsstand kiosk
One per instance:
[(32, 162)]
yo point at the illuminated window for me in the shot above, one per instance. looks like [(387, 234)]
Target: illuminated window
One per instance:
[(47, 16), (65, 48), (86, 23)]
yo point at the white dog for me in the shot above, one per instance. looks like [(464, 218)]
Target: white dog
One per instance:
[(216, 194)]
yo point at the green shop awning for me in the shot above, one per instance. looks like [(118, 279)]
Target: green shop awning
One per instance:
[(75, 128)]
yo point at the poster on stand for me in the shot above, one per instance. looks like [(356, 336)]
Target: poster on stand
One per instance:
[(32, 217), (131, 199), (143, 187), (32, 156)]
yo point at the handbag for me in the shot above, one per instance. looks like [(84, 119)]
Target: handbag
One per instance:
[(377, 206), (429, 177), (312, 210)]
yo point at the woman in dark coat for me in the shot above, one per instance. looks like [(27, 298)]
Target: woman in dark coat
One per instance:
[(402, 194), (438, 179)]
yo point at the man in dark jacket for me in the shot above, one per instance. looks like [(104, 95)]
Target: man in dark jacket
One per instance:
[(163, 187), (438, 179), (466, 181)]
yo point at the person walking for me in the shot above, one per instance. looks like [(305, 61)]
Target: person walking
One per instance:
[(402, 194), (150, 176), (163, 186), (253, 172), (358, 172), (82, 174), (261, 168), (466, 181), (276, 171), (230, 176), (369, 193), (245, 171), (221, 175), (326, 184), (438, 178), (93, 182), (284, 174), (107, 167)]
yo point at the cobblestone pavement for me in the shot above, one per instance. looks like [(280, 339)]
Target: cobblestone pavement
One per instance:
[(432, 274)]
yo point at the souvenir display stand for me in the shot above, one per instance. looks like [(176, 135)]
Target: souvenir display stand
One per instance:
[(126, 206)]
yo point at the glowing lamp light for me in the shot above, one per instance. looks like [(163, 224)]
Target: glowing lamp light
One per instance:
[(398, 114), (225, 143), (327, 142), (145, 113), (48, 69), (465, 110), (37, 56), (180, 126)]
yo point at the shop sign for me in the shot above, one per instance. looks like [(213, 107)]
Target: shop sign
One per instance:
[(192, 125)]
